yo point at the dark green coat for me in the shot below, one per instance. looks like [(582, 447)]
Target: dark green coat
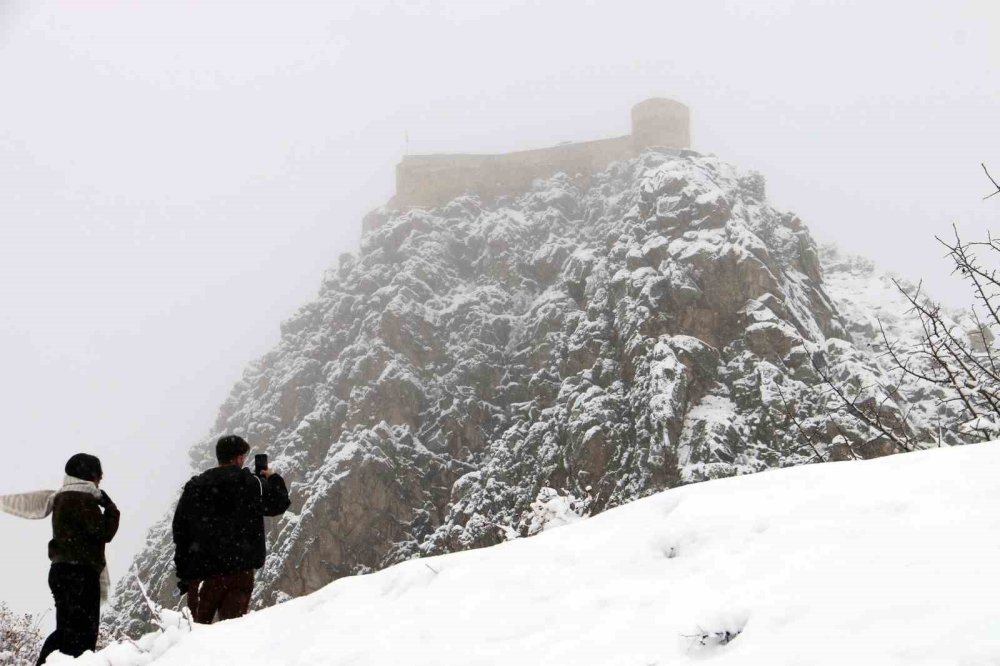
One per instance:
[(80, 530)]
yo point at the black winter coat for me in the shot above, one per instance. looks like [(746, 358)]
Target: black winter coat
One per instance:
[(219, 522)]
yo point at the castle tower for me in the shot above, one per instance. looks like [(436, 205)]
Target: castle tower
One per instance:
[(662, 123)]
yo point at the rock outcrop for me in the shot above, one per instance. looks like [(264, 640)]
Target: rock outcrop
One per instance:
[(649, 326)]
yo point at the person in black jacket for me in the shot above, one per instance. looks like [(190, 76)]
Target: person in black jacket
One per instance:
[(218, 531)]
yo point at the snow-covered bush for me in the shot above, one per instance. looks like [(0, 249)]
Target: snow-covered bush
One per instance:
[(550, 509), (20, 638), (171, 625)]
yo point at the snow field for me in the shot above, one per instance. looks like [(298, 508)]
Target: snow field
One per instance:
[(890, 561)]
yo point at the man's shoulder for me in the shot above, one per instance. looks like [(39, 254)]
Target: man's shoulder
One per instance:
[(195, 481)]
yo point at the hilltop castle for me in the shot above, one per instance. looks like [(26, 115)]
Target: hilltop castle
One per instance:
[(426, 181)]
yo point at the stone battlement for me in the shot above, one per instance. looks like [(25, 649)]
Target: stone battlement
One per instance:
[(425, 181)]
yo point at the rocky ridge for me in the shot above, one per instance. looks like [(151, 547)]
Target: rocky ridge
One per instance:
[(653, 325)]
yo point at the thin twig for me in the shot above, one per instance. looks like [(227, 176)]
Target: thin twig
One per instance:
[(995, 184)]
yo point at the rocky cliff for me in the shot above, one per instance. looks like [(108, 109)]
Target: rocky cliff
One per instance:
[(653, 325)]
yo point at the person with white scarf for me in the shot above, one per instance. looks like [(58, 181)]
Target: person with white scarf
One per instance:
[(84, 520)]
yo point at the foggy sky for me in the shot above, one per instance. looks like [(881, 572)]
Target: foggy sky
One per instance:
[(175, 176)]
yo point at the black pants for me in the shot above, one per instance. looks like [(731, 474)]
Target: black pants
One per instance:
[(77, 591)]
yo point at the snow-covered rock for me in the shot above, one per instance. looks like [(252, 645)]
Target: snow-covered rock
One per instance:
[(605, 336), (889, 562)]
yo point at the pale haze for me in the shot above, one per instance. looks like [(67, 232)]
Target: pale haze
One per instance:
[(176, 176)]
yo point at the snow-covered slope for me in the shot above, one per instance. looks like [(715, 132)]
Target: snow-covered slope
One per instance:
[(881, 562)]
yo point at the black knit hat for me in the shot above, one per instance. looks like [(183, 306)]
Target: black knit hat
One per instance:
[(229, 447), (84, 466)]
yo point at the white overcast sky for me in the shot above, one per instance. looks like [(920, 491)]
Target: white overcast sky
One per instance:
[(176, 175)]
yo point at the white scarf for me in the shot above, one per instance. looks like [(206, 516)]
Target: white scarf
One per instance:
[(39, 505)]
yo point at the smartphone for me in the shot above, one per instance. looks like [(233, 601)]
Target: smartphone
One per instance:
[(259, 463)]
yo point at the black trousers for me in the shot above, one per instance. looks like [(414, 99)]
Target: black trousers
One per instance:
[(77, 591)]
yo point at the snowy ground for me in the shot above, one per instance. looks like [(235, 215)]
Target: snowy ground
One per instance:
[(891, 561)]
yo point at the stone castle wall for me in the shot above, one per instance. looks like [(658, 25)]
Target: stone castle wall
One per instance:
[(426, 181)]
